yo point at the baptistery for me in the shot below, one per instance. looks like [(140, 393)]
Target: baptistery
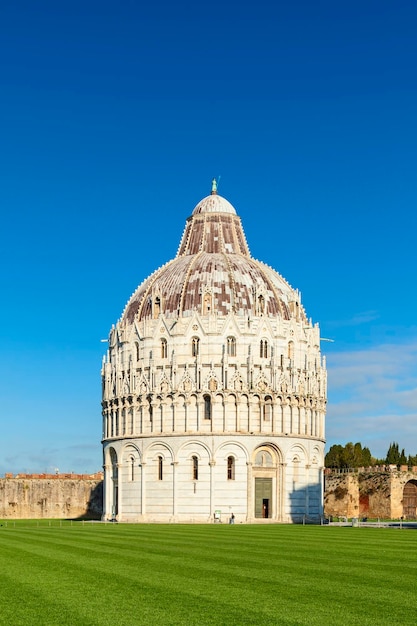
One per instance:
[(213, 388)]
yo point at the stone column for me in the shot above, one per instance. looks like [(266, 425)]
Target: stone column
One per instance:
[(186, 405), (165, 425), (112, 430), (161, 415), (143, 490), (107, 491), (250, 499), (212, 463), (302, 417), (119, 491), (154, 405), (261, 405), (283, 491), (123, 419), (286, 416), (134, 413), (274, 512), (174, 495), (321, 471), (200, 410), (174, 411), (130, 416)]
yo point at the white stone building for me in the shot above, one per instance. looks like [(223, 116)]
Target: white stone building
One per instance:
[(214, 388)]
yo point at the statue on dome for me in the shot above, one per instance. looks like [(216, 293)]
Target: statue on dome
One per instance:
[(213, 186)]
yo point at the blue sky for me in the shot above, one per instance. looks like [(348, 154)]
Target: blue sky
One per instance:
[(114, 118)]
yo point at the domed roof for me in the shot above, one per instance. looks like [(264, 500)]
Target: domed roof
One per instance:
[(213, 272), (214, 204)]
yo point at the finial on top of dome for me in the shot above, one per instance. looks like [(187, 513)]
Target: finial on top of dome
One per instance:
[(213, 187)]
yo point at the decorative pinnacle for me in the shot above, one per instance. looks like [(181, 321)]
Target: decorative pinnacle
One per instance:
[(213, 187)]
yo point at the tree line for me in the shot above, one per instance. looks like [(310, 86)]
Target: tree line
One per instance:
[(354, 455)]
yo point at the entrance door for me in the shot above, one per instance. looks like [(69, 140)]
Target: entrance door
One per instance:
[(263, 497), (410, 500)]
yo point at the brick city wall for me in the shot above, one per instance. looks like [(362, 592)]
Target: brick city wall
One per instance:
[(36, 496), (367, 492)]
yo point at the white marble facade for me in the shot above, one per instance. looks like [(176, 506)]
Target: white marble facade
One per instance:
[(214, 388)]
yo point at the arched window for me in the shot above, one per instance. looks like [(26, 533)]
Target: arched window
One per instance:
[(195, 346), (230, 468), (261, 305), (263, 459), (194, 460), (231, 346), (268, 409), (263, 349), (296, 462), (206, 303), (207, 407), (160, 468), (164, 348), (157, 307), (137, 351)]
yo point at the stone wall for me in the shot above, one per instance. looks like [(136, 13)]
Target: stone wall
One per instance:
[(341, 495), (375, 493), (65, 496)]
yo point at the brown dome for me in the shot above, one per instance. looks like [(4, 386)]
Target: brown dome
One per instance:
[(213, 272)]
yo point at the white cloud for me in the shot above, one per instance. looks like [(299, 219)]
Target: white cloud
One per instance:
[(78, 457), (357, 320), (373, 397)]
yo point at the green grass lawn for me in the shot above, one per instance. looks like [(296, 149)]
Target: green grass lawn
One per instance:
[(119, 575)]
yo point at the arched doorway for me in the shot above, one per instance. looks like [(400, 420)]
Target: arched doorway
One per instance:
[(264, 474), (410, 500)]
